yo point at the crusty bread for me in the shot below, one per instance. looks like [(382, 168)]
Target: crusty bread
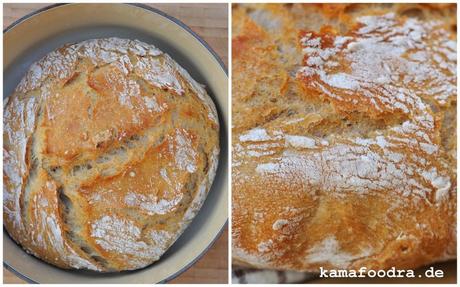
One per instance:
[(110, 148), (344, 135)]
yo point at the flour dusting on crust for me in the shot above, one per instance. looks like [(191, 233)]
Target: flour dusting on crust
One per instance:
[(110, 149), (345, 126)]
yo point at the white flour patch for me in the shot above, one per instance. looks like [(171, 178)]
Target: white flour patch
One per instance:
[(300, 141), (256, 134), (124, 237), (185, 153), (280, 223), (151, 204)]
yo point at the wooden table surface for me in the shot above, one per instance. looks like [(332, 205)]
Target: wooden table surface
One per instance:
[(209, 21)]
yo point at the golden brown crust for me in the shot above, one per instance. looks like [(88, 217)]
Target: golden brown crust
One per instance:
[(110, 148), (342, 152)]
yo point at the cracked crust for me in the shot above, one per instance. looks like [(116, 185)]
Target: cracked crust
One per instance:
[(344, 136), (110, 148)]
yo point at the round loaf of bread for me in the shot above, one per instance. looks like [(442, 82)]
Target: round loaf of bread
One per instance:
[(344, 135), (110, 148)]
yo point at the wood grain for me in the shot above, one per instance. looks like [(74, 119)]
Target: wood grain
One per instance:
[(209, 21)]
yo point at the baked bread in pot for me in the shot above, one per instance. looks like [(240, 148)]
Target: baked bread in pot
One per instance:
[(344, 135), (110, 148)]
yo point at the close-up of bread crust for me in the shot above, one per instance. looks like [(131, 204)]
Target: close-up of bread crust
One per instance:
[(110, 148), (343, 135)]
